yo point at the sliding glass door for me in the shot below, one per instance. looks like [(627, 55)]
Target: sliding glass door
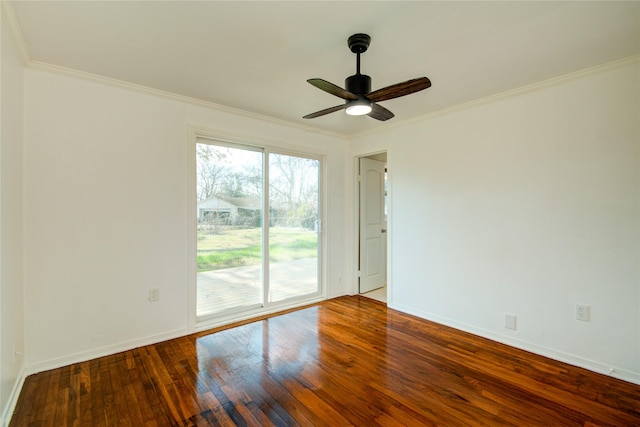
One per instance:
[(229, 232), (258, 217), (294, 219)]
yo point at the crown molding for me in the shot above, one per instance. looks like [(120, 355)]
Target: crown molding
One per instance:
[(11, 21), (175, 97), (554, 81)]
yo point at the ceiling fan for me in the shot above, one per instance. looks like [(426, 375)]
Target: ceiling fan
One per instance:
[(359, 100)]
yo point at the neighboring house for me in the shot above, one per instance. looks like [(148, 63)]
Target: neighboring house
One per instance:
[(231, 210), (224, 210)]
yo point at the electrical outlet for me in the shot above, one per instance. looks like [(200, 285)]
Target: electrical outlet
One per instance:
[(510, 321), (583, 312), (154, 294)]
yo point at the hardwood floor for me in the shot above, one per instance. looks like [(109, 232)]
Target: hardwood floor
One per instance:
[(347, 361)]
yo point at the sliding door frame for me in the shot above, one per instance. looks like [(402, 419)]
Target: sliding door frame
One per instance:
[(199, 134)]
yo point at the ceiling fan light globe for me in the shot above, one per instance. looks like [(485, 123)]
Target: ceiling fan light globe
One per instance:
[(358, 108)]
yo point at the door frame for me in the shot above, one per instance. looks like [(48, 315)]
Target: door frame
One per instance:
[(356, 222)]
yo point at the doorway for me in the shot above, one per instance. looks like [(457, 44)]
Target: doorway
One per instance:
[(372, 242)]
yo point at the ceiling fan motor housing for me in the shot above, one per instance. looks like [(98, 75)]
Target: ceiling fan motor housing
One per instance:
[(358, 84)]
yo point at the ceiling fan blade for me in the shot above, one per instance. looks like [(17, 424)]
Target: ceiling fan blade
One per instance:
[(378, 112), (399, 89), (333, 89), (325, 111)]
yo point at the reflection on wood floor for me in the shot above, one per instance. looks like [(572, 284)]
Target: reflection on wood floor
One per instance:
[(347, 361)]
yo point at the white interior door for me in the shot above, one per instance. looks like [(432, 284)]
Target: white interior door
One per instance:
[(372, 225)]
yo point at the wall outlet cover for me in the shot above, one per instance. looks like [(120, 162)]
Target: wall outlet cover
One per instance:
[(154, 294), (583, 312), (510, 321)]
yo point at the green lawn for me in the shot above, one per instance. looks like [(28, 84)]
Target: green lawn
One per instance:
[(235, 248)]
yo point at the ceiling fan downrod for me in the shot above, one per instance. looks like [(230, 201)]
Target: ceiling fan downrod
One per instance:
[(358, 84)]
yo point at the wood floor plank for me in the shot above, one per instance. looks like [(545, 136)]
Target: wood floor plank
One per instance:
[(51, 394), (216, 415), (32, 392), (79, 394), (96, 405), (346, 361)]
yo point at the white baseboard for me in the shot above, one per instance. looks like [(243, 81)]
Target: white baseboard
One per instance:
[(7, 411), (103, 351), (571, 359)]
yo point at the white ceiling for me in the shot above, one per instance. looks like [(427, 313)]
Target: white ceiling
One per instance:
[(257, 56)]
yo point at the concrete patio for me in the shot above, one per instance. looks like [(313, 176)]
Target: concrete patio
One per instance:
[(220, 290)]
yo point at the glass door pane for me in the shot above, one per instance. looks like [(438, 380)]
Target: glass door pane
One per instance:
[(294, 214), (229, 184)]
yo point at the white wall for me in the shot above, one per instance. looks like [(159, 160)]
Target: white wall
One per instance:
[(11, 259), (525, 204), (106, 199)]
